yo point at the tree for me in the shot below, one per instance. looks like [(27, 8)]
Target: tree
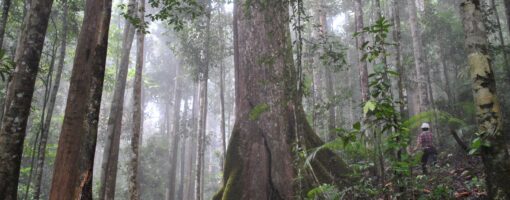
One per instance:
[(108, 176), (51, 104), (134, 191), (19, 96), (422, 72), (203, 78), (75, 154), (270, 120), (397, 37), (494, 150), (360, 40), (176, 137), (6, 6)]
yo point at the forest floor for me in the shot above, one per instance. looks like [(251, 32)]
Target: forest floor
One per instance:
[(459, 177)]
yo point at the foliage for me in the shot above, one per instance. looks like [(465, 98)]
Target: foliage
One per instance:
[(6, 65)]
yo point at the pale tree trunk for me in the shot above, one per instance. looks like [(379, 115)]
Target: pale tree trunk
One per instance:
[(360, 40), (270, 120), (397, 37), (108, 175), (222, 91), (496, 156), (133, 179), (72, 178), (51, 105), (222, 113), (328, 75), (190, 193), (183, 157), (175, 137), (19, 96), (419, 63), (6, 6), (202, 122)]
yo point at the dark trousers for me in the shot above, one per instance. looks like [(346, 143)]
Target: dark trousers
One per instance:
[(429, 154)]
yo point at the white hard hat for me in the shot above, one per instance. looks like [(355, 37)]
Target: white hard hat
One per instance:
[(425, 125)]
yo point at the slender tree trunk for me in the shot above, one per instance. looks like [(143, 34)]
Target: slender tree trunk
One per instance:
[(360, 40), (176, 137), (328, 75), (222, 113), (74, 163), (6, 6), (419, 63), (19, 96), (397, 37), (500, 32), (51, 105), (202, 122), (496, 156), (183, 158), (193, 147), (112, 144), (270, 120), (133, 180)]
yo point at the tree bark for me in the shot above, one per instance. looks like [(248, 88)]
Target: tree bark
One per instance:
[(51, 104), (222, 113), (176, 137), (495, 156), (6, 6), (419, 63), (183, 158), (112, 143), (270, 120), (328, 75), (74, 163), (19, 96), (202, 122), (133, 179), (397, 37), (360, 40), (193, 145)]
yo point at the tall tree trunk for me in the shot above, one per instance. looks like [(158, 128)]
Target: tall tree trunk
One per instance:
[(419, 63), (112, 143), (202, 122), (19, 96), (193, 145), (222, 90), (500, 33), (397, 37), (270, 120), (74, 163), (6, 6), (133, 180), (328, 75), (360, 40), (183, 158), (51, 105), (222, 113), (495, 156), (176, 137)]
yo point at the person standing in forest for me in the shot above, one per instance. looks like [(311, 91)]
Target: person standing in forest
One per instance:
[(425, 142)]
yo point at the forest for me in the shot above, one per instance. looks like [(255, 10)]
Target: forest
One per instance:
[(254, 99)]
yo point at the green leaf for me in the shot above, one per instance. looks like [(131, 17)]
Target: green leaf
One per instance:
[(369, 106), (472, 151), (357, 126)]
